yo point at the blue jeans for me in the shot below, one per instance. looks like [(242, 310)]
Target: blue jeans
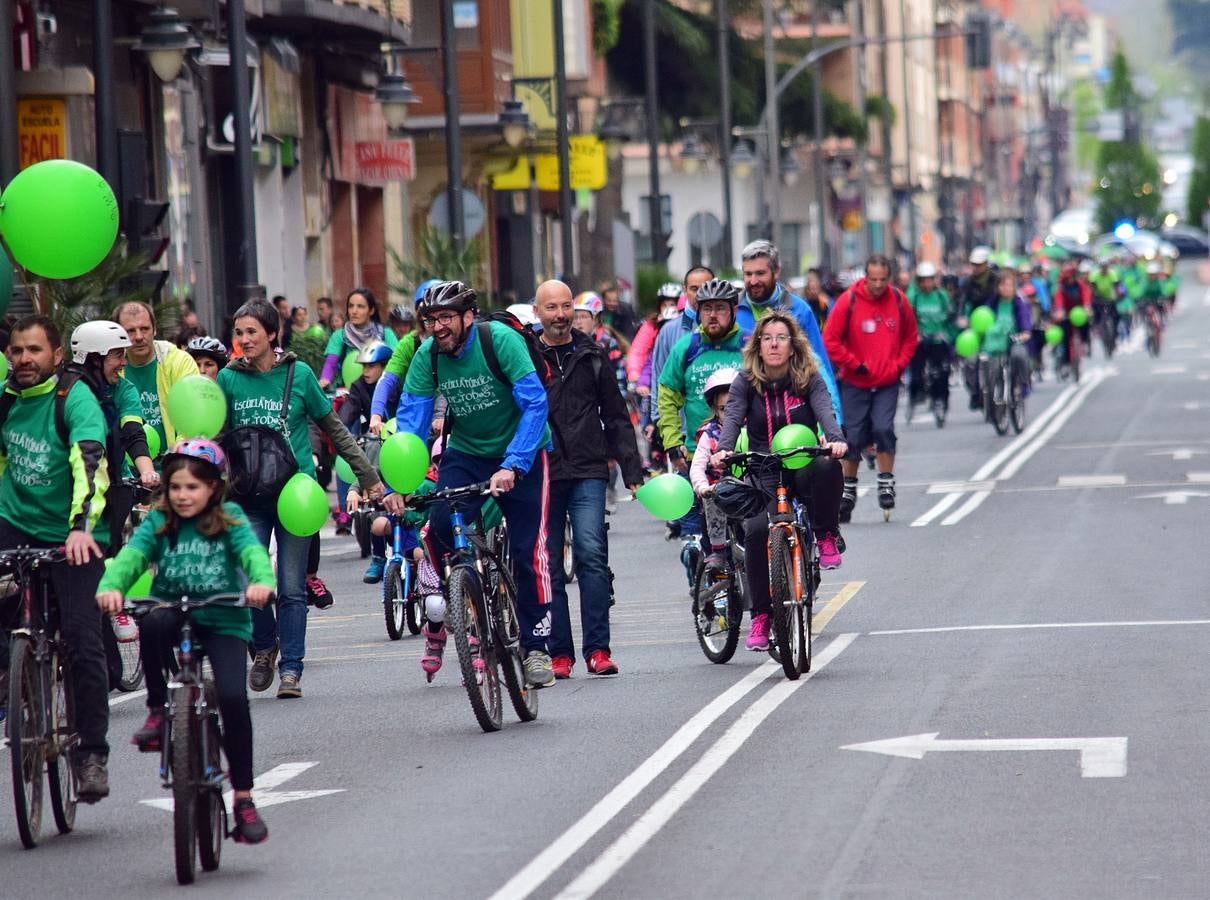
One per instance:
[(289, 628), (691, 522), (342, 493), (584, 500), (525, 511)]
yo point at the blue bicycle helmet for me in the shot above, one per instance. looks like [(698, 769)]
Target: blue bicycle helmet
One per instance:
[(375, 352), (424, 286)]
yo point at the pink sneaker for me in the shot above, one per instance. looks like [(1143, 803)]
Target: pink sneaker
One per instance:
[(434, 650), (829, 554), (758, 637)]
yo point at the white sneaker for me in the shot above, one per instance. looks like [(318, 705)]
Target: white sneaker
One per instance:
[(124, 628)]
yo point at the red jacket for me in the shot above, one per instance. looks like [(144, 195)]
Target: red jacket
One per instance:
[(881, 334)]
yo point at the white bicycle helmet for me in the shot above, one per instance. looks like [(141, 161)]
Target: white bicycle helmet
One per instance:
[(97, 337), (926, 270), (718, 381)]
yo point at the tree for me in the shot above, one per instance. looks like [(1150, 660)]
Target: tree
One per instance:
[(1127, 184), (1199, 181), (1119, 92)]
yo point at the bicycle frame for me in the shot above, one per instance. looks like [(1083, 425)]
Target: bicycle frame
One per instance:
[(39, 624), (788, 518), (188, 687)]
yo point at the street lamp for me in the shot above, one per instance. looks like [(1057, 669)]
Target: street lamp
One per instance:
[(693, 155), (743, 160), (395, 95), (514, 121), (166, 40), (618, 125)]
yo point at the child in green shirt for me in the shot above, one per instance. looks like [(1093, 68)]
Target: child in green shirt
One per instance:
[(198, 546)]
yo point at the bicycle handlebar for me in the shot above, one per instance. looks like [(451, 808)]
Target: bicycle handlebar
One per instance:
[(751, 456), (456, 493), (144, 605), (33, 554)]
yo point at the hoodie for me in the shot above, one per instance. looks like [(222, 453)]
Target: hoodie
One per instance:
[(877, 336)]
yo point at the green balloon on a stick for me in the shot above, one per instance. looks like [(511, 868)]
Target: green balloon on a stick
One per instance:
[(197, 407), (666, 496), (350, 370), (791, 437), (153, 440), (967, 344), (344, 471), (404, 460), (982, 319), (302, 506), (1054, 334), (1078, 316)]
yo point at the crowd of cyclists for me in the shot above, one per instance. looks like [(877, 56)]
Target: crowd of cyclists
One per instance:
[(719, 364)]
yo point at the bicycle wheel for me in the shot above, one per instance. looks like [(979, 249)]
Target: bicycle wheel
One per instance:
[(132, 666), (1016, 409), (512, 659), (394, 601), (211, 811), (717, 614), (569, 555), (413, 602), (60, 773), (809, 579), (25, 740), (185, 772), (466, 621), (781, 600), (1000, 399)]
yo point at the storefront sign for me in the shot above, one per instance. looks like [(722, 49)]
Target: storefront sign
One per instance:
[(586, 155), (42, 130), (381, 161)]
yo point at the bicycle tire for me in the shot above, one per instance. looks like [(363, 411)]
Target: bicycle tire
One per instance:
[(781, 596), (810, 581), (464, 612), (1016, 409), (394, 601), (25, 740), (60, 773), (415, 602), (184, 787), (569, 554), (512, 663), (999, 414), (211, 811), (132, 667), (718, 640)]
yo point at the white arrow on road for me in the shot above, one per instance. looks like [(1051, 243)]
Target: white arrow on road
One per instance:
[(1100, 757), (1179, 454), (263, 792), (1173, 498)]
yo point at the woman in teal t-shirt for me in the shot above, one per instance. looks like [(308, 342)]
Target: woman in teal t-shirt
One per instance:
[(363, 326)]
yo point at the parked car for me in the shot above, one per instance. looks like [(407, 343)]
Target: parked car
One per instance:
[(1188, 240)]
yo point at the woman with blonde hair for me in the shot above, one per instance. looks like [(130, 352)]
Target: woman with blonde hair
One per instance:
[(781, 385)]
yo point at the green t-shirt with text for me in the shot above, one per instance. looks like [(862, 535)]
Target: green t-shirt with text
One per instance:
[(143, 380), (485, 414), (255, 398)]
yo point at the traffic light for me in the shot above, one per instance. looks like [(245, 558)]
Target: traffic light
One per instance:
[(143, 243), (978, 40)]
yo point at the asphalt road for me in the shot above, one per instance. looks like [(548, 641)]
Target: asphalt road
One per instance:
[(1028, 595)]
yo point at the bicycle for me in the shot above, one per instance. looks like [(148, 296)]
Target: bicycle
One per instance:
[(1105, 323), (364, 517), (481, 612), (1155, 329), (719, 600), (1003, 387), (132, 661), (402, 604), (191, 763), (934, 380), (41, 723), (794, 573)]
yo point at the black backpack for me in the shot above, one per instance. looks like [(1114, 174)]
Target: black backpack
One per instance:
[(487, 341)]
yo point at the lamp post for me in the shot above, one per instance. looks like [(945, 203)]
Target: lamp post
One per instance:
[(166, 40), (659, 250), (561, 137), (394, 93), (103, 116), (724, 117), (453, 137), (248, 287), (514, 123)]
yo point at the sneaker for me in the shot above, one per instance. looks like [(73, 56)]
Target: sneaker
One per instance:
[(92, 778), (561, 665), (538, 670), (758, 637), (318, 594), (288, 688), (260, 678), (150, 738), (249, 827), (344, 523), (124, 628), (829, 553), (374, 572), (434, 650), (599, 663)]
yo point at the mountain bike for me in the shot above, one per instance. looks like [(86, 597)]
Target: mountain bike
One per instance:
[(794, 572), (1003, 385), (1155, 328), (401, 601), (41, 723), (481, 611), (191, 763), (719, 599)]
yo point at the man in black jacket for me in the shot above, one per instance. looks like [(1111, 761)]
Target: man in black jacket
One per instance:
[(591, 426)]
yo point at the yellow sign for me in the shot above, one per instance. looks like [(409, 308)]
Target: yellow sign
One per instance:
[(588, 168), (514, 179), (42, 130)]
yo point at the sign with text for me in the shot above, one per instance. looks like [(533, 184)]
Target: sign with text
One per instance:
[(586, 155), (41, 129), (383, 161)]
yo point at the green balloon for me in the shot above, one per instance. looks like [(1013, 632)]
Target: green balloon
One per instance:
[(153, 441), (390, 427), (967, 344), (302, 506), (350, 369), (1078, 316), (790, 437), (52, 200), (197, 407), (404, 461), (741, 446), (982, 319), (344, 471), (666, 496), (6, 283), (317, 331), (1054, 334)]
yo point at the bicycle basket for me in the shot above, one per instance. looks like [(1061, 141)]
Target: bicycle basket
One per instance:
[(738, 499)]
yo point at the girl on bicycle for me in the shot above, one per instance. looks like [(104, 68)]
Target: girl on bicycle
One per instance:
[(703, 475), (199, 546), (780, 384)]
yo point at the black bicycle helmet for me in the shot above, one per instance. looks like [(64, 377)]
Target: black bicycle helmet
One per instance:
[(447, 295), (208, 346), (739, 499), (718, 289)]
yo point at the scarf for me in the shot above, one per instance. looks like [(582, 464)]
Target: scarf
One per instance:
[(358, 337), (761, 308)]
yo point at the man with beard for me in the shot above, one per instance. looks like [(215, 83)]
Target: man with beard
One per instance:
[(591, 426), (764, 292), (496, 417)]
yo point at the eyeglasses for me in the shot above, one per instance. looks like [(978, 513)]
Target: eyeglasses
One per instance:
[(775, 338), (444, 319)]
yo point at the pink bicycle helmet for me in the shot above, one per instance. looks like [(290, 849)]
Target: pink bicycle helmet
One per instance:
[(203, 449)]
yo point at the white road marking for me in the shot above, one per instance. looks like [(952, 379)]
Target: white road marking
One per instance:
[(126, 698), (265, 796), (1169, 370), (1091, 480), (1100, 757), (1179, 454), (1198, 477), (1203, 376), (1039, 626), (959, 487), (529, 878), (621, 851), (1052, 428), (940, 509), (1192, 406), (973, 502), (1172, 498)]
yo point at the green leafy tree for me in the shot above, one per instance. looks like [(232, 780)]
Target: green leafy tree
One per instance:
[(1199, 181), (1127, 184), (1119, 92), (1086, 106), (435, 258)]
